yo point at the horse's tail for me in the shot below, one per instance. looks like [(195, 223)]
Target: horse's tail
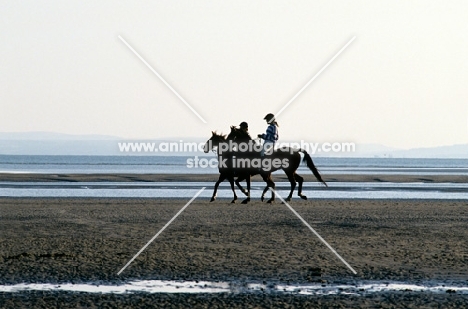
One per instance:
[(311, 166)]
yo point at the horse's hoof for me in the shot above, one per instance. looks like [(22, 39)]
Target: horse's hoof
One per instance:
[(262, 198), (303, 197), (288, 199), (246, 201), (270, 201), (212, 199), (233, 201)]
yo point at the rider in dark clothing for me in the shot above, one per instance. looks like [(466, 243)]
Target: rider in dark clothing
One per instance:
[(245, 136)]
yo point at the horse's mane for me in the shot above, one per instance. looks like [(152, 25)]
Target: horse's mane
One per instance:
[(220, 135)]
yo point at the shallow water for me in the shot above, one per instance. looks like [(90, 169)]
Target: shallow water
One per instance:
[(341, 190), (167, 286), (178, 165)]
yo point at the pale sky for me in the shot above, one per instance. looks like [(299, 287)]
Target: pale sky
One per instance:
[(403, 82)]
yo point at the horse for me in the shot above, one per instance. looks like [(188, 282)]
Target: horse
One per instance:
[(225, 168), (290, 160)]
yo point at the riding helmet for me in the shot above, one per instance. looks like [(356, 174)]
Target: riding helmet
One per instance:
[(269, 117)]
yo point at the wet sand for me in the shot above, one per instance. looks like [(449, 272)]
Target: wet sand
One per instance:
[(59, 240), (11, 177)]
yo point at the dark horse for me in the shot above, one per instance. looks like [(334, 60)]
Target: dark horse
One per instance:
[(227, 169), (287, 159)]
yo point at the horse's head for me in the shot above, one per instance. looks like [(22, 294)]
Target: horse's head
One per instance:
[(214, 141), (233, 134)]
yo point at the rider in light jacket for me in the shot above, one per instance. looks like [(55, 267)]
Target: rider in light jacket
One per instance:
[(271, 135)]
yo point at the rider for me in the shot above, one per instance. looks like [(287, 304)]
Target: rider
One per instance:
[(271, 135), (245, 132)]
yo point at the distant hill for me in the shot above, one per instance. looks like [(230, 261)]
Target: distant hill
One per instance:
[(48, 143), (454, 151), (46, 136)]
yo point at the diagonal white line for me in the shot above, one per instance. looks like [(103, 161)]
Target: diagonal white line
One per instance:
[(313, 231), (315, 76), (160, 231), (162, 79)]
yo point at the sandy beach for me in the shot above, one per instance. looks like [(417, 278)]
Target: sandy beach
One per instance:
[(65, 240)]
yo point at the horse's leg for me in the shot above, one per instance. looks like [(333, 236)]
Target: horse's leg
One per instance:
[(247, 179), (238, 180), (264, 192), (300, 180), (292, 181), (265, 179), (270, 184), (221, 178), (231, 181)]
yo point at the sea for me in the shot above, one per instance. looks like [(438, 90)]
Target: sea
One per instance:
[(207, 165), (187, 165)]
